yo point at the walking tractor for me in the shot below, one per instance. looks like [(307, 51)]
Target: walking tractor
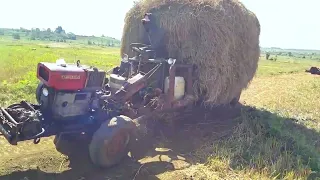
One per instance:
[(79, 99)]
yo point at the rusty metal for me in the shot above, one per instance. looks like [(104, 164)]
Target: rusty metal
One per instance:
[(188, 99), (133, 85), (190, 80), (117, 144), (170, 95)]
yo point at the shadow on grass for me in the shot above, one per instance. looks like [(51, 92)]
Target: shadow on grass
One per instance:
[(268, 145), (243, 139)]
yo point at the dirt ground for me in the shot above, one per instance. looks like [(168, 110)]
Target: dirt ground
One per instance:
[(167, 150)]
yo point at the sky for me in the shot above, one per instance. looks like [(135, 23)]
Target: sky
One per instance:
[(284, 23)]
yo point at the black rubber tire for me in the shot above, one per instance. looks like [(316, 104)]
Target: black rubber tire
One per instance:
[(102, 140), (65, 143), (38, 91)]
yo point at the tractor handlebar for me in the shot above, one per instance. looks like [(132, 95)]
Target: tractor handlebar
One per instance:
[(170, 61), (139, 47)]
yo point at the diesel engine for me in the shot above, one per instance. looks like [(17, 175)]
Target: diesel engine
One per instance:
[(68, 90)]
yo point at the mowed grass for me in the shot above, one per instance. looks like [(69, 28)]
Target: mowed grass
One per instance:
[(277, 136), (284, 65)]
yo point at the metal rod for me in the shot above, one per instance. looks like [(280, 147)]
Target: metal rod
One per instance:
[(9, 116), (39, 134), (172, 76), (190, 81), (27, 105)]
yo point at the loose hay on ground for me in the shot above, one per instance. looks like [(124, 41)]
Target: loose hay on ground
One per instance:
[(221, 37)]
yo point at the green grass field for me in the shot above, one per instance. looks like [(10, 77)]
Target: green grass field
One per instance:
[(276, 137), (19, 62)]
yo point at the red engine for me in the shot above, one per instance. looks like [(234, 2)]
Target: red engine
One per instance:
[(70, 76), (68, 90)]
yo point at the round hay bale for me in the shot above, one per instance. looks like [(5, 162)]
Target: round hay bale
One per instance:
[(221, 37)]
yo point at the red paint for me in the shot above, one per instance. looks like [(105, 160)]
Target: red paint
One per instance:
[(70, 77)]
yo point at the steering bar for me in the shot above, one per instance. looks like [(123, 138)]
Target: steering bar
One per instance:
[(136, 47)]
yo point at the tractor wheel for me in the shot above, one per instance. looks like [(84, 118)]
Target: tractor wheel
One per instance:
[(65, 143), (38, 91), (110, 143)]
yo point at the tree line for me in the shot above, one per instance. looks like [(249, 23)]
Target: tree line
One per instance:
[(59, 35)]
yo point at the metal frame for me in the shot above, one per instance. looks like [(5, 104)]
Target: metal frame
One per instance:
[(75, 125)]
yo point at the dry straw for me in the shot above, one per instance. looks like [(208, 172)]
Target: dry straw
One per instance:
[(221, 37)]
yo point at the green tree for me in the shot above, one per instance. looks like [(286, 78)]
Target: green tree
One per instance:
[(59, 30), (267, 55), (32, 37), (23, 29), (16, 36), (71, 36)]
